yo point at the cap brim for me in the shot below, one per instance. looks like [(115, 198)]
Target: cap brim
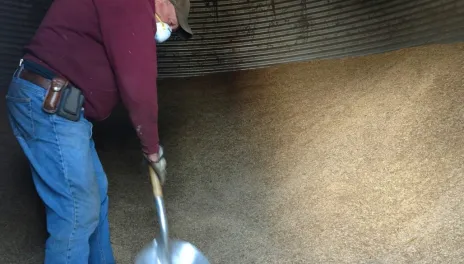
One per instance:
[(184, 31)]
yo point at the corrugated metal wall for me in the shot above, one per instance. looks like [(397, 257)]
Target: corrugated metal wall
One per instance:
[(243, 34)]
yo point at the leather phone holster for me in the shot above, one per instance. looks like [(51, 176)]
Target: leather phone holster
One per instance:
[(53, 96)]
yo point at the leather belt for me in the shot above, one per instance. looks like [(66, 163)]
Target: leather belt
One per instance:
[(35, 79), (61, 97)]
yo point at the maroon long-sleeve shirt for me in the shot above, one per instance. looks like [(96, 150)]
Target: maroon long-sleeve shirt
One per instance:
[(107, 49)]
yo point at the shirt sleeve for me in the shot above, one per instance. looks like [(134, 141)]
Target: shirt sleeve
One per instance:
[(128, 29)]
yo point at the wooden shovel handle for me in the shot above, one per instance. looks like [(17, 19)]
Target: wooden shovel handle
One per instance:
[(155, 183)]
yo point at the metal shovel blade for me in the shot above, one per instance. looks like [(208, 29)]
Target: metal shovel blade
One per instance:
[(176, 251), (179, 252)]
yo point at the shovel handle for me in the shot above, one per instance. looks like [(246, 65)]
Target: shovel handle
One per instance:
[(161, 210), (155, 183)]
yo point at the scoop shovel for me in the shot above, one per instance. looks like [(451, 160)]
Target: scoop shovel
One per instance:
[(163, 250)]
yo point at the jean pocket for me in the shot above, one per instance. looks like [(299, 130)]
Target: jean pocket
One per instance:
[(20, 116), (80, 128)]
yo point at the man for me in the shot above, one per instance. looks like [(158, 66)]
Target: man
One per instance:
[(84, 57)]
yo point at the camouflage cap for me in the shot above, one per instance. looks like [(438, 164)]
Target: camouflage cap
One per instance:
[(182, 12)]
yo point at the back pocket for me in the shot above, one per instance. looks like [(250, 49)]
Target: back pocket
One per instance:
[(20, 116)]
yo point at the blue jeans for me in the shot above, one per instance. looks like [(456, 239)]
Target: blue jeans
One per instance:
[(68, 177)]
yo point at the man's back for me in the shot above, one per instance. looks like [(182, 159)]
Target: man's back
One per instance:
[(107, 49), (70, 43)]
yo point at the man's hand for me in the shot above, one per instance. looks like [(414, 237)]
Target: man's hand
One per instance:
[(158, 163), (153, 157)]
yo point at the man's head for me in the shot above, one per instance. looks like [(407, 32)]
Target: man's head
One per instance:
[(175, 13)]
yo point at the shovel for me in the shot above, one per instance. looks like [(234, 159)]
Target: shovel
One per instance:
[(163, 250)]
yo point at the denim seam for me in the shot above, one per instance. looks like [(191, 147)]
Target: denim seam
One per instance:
[(33, 136), (63, 167), (100, 249), (102, 255)]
